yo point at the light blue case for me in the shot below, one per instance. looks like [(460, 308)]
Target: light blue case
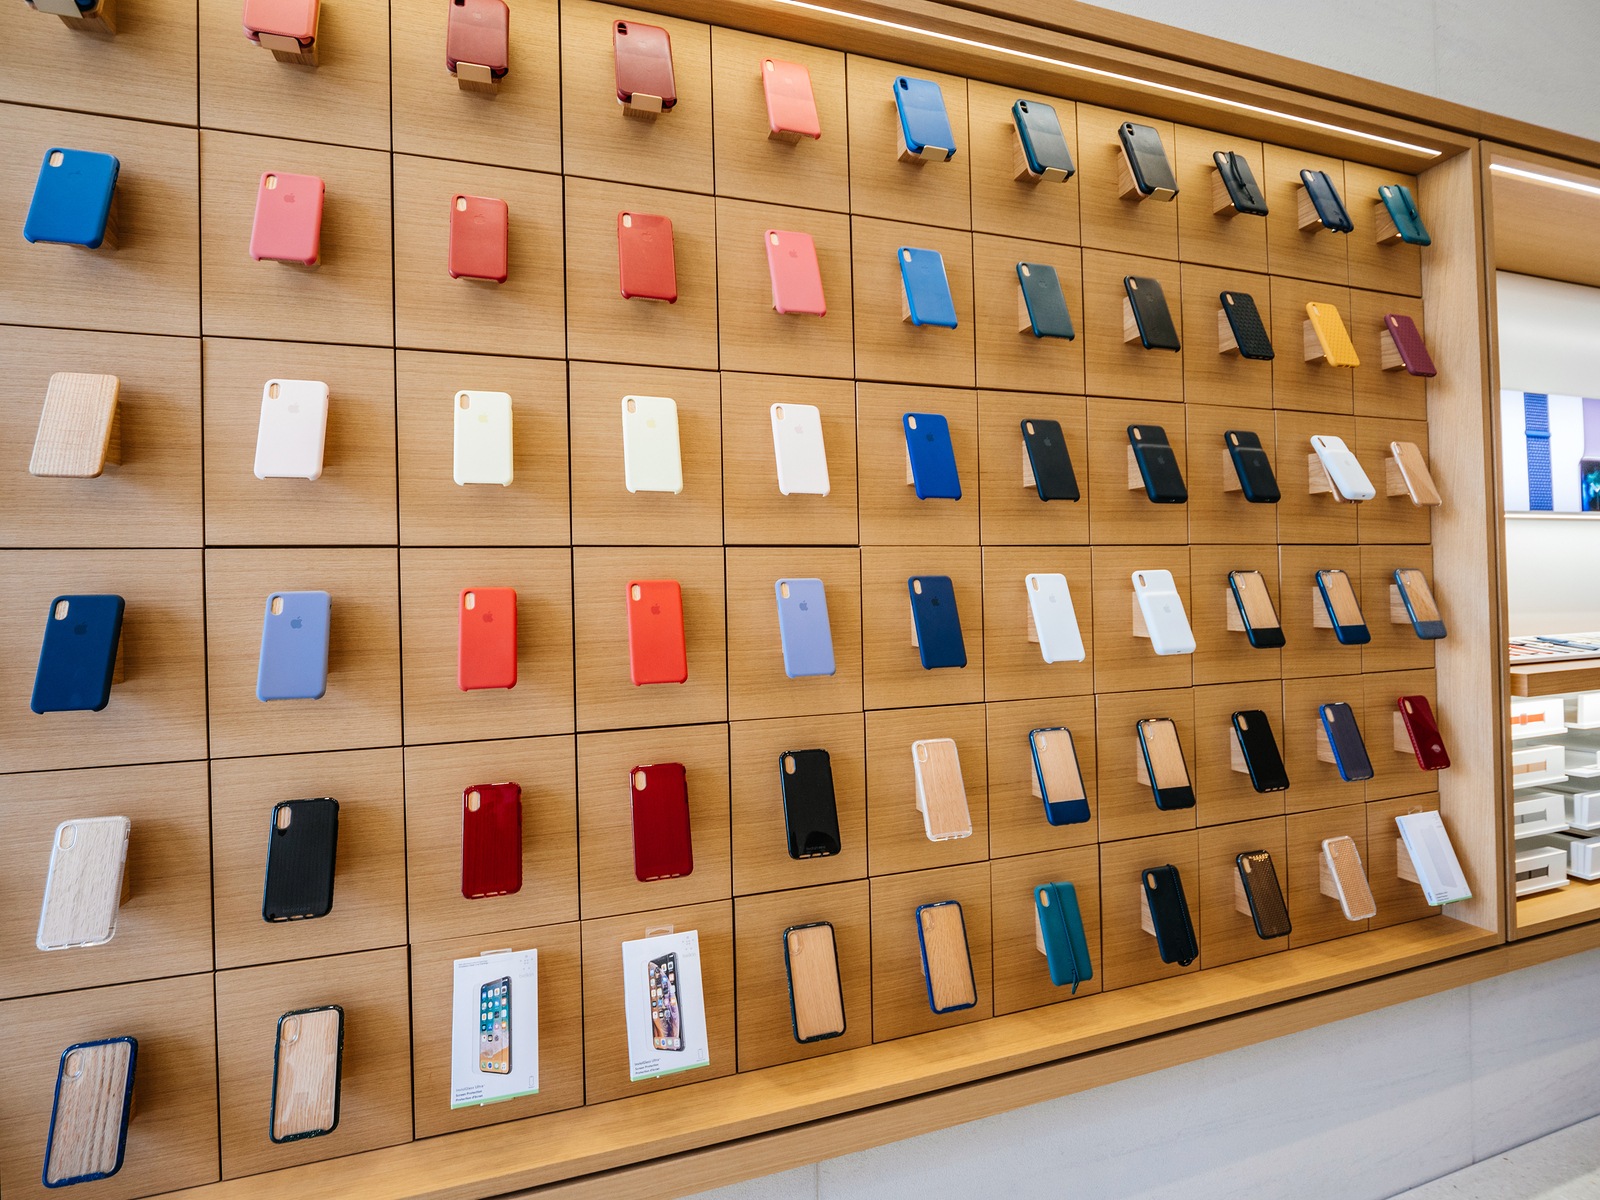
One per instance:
[(924, 121), (1061, 929), (294, 647), (927, 287), (72, 198), (803, 628)]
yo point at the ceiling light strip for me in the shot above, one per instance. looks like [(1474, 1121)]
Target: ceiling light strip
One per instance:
[(1553, 180)]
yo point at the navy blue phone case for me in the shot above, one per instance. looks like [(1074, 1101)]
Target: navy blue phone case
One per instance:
[(1051, 463), (79, 654), (1325, 197), (938, 623), (1344, 735), (72, 198), (1252, 466), (933, 456)]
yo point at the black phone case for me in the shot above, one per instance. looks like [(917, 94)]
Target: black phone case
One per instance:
[(1148, 158), (1158, 465), (1260, 747), (1240, 181), (1047, 303), (300, 861), (1169, 913), (1244, 319), (1326, 199), (810, 812), (1053, 475), (1156, 330), (1251, 464), (1261, 888)]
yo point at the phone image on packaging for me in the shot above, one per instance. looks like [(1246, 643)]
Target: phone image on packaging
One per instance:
[(1344, 738), (486, 639), (483, 438), (1259, 749), (1147, 159), (288, 220), (1162, 610), (1408, 341), (1426, 740), (307, 1061), (798, 446), (1420, 604), (924, 123), (1044, 146), (494, 1027), (936, 622), (1254, 602), (932, 456), (78, 656), (1343, 858), (810, 809), (803, 628), (90, 1110), (479, 238), (1252, 466), (1057, 777), (1059, 925), (796, 276), (1332, 337), (1244, 322), (302, 847), (1150, 313), (941, 791), (1158, 465), (816, 999), (657, 652), (1268, 911), (652, 459), (491, 840), (83, 890), (1414, 471), (791, 104), (1169, 915), (294, 646), (1048, 460), (662, 848), (927, 288), (72, 196), (478, 33), (1325, 198), (1163, 762), (1401, 206), (643, 57), (293, 429), (666, 1012), (1045, 301), (946, 957), (1343, 468), (1344, 610), (1240, 180), (1055, 621), (647, 268)]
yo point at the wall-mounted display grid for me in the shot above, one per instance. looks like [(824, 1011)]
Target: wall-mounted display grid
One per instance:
[(195, 543)]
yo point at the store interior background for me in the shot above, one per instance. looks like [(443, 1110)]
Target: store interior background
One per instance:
[(1370, 1106)]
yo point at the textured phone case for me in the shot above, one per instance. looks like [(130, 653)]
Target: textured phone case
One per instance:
[(478, 32), (1244, 322), (1152, 172), (306, 1067), (1344, 736), (924, 121), (1162, 609), (1267, 908), (656, 650), (1240, 180), (647, 267), (295, 19), (491, 840), (1252, 466), (1253, 729), (927, 287), (1170, 783), (1343, 859), (302, 848), (78, 656), (479, 239), (796, 277), (810, 808), (90, 1110), (946, 957), (652, 458), (72, 198), (662, 847), (83, 890), (288, 220), (1169, 914), (799, 449), (816, 999), (483, 444), (1256, 610), (294, 647), (74, 438), (486, 638), (803, 629), (1408, 341), (1058, 777), (1158, 465), (791, 104), (293, 432), (1150, 312), (1325, 198), (934, 473), (1426, 740), (1402, 208), (1344, 470), (1332, 336), (1055, 620), (1045, 301), (1060, 927), (1049, 460), (643, 57), (937, 621), (1044, 146), (1414, 470)]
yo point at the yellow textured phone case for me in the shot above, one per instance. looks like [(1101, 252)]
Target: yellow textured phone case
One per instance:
[(1337, 347)]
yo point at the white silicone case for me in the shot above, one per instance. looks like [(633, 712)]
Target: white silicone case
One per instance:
[(483, 438), (1054, 618), (293, 429), (651, 460), (797, 443)]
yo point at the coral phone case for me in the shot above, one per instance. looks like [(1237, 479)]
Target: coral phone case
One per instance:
[(1057, 776), (934, 473), (1420, 604), (483, 445), (1259, 878), (83, 891), (72, 197), (646, 266), (1150, 313), (1169, 915), (1240, 180), (1048, 460), (816, 999), (1060, 929), (1426, 740), (798, 447), (1343, 468), (302, 849), (924, 122), (643, 56), (296, 19), (810, 809), (1045, 301), (1164, 764), (479, 238), (1147, 158), (479, 33), (1343, 859), (1402, 209), (288, 221), (307, 1062), (791, 104), (294, 646), (491, 840), (936, 622), (927, 287), (1044, 146), (661, 843), (1055, 621), (803, 628), (78, 657), (941, 791), (1344, 737), (1325, 198), (656, 651), (652, 460), (946, 957), (486, 639), (796, 277), (1259, 747), (1408, 341), (1162, 610), (293, 432), (1254, 602), (1414, 471), (1252, 466), (1158, 465), (1344, 610), (1332, 336), (89, 1113), (1244, 322)]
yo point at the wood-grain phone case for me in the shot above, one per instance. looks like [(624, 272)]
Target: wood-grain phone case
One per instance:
[(302, 848), (1254, 602), (647, 268), (643, 57), (1253, 729), (1158, 466), (1163, 763), (486, 638), (803, 628), (479, 238), (1421, 607), (1058, 775), (941, 791), (1061, 936), (652, 457), (1049, 460), (810, 808), (1414, 471), (294, 646), (946, 957), (307, 1061), (662, 848), (1252, 466), (76, 424), (791, 104), (478, 33), (1169, 915), (288, 220), (483, 445), (1343, 609), (796, 277), (936, 622), (656, 649), (1344, 738), (1259, 879), (1332, 336), (1343, 859), (84, 888), (491, 840), (78, 656), (1045, 301), (1240, 180), (1055, 620), (799, 450), (1408, 341), (293, 432), (1150, 313), (1244, 322), (89, 1113), (1426, 740), (816, 997)]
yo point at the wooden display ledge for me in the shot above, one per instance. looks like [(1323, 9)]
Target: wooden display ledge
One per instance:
[(1555, 678), (1558, 908)]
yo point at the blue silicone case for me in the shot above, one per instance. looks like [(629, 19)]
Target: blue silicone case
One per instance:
[(923, 120), (803, 628), (933, 456), (72, 198), (938, 624), (79, 654), (927, 287), (294, 647)]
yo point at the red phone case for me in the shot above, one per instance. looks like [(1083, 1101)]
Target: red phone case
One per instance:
[(1408, 340), (646, 268), (287, 18), (486, 647), (1424, 730), (791, 105), (796, 278), (643, 56), (656, 652), (661, 845), (288, 221), (478, 238), (479, 32), (491, 840)]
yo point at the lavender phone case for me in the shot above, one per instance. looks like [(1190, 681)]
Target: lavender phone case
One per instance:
[(294, 647), (803, 628)]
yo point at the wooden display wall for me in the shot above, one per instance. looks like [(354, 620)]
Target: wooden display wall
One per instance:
[(193, 327)]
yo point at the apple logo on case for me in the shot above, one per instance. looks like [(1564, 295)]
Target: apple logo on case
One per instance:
[(655, 610), (295, 623), (804, 607), (488, 618), (80, 628), (294, 408), (935, 601), (288, 197)]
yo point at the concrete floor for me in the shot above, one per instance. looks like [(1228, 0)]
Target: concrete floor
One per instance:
[(1564, 1165)]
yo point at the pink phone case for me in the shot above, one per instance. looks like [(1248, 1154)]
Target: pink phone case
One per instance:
[(288, 224), (796, 278), (287, 18), (478, 239), (1408, 340), (791, 105)]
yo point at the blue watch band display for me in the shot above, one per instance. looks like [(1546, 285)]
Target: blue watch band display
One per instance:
[(1536, 406)]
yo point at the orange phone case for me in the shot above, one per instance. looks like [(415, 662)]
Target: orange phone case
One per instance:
[(486, 649), (656, 651)]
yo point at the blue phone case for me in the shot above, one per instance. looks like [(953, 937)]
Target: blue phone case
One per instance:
[(294, 647), (1043, 143), (1348, 635), (1066, 949), (127, 1111), (927, 287), (72, 199), (1325, 199), (79, 654), (933, 456), (1344, 735), (1426, 630), (922, 946), (803, 628), (924, 123), (1074, 810), (937, 622), (1402, 206)]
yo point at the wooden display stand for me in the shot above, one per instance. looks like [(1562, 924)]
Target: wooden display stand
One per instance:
[(1383, 225), (100, 19), (477, 78), (80, 429)]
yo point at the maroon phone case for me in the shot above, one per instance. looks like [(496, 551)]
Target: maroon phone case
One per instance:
[(661, 845), (491, 841), (1424, 730), (479, 31), (643, 55), (1408, 340)]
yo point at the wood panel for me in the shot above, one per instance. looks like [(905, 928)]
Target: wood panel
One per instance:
[(1395, 646), (892, 669), (1305, 516), (899, 991), (1011, 512), (1002, 203), (1217, 515), (1110, 222), (1224, 793), (1122, 661), (1009, 355), (1017, 823), (880, 183), (1014, 666), (1310, 645), (1296, 383), (1021, 971), (1113, 367), (897, 837), (1209, 375), (1387, 518), (1314, 780), (1223, 654), (889, 347), (1318, 253), (1381, 393), (1398, 899), (1127, 806), (1128, 954), (1231, 934), (1123, 513), (891, 513), (1228, 238), (1317, 917), (1394, 267), (1396, 772)]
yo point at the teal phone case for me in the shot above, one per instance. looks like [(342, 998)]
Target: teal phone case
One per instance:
[(1061, 924)]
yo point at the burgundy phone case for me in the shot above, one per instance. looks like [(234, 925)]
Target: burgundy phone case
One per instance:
[(1424, 731), (643, 55), (1408, 340), (661, 845), (646, 266), (491, 840)]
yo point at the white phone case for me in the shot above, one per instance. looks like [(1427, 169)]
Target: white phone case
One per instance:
[(1433, 858), (1162, 609), (483, 438), (802, 457), (83, 892), (651, 460), (1343, 468), (294, 427), (1054, 618)]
